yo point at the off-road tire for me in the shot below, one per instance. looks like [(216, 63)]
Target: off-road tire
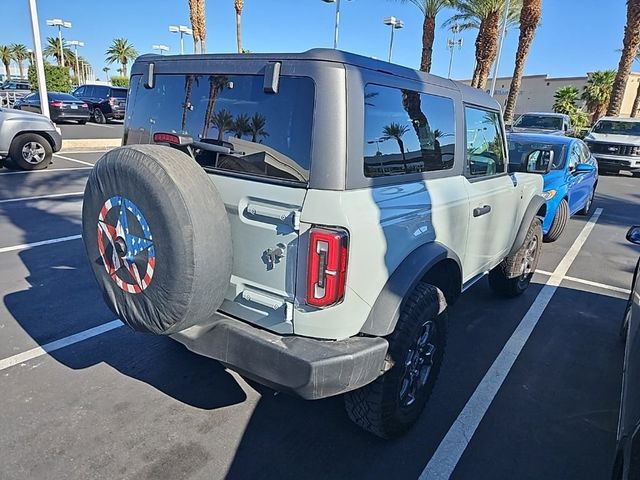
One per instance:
[(589, 205), (16, 150), (98, 116), (559, 222), (377, 407), (508, 278)]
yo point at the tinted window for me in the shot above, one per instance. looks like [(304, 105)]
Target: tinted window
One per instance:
[(79, 91), (269, 134), (576, 155), (519, 150), (100, 91), (617, 127), (485, 143), (406, 132), (542, 122), (118, 92), (61, 96), (89, 91)]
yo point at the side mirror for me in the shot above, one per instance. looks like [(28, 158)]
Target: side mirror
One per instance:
[(633, 235), (539, 161), (584, 168)]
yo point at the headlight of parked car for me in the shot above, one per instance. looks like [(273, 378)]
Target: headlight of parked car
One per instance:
[(549, 194)]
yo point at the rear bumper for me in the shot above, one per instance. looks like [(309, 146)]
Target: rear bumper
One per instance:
[(71, 116), (615, 162), (307, 367)]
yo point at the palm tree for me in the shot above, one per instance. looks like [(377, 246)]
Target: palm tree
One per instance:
[(630, 46), (242, 125), (597, 92), (53, 50), (198, 24), (258, 124), (396, 131), (20, 54), (484, 16), (223, 121), (239, 5), (217, 83), (6, 56), (430, 10), (529, 19), (106, 71), (566, 99), (121, 51)]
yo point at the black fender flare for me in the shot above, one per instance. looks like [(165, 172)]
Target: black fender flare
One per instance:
[(532, 210), (385, 312)]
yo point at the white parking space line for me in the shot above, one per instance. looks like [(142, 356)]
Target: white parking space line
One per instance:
[(83, 152), (58, 344), (102, 125), (603, 286), (72, 159), (40, 197), (26, 246), (46, 170), (448, 454)]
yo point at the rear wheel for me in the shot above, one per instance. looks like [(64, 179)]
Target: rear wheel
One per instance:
[(635, 174), (98, 116), (30, 151), (513, 276), (559, 222), (391, 405)]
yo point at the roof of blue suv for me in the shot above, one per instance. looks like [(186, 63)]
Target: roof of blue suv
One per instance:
[(471, 95)]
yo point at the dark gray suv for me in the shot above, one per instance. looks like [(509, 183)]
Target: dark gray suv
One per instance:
[(105, 102)]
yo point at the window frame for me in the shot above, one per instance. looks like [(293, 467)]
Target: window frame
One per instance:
[(401, 177), (502, 132)]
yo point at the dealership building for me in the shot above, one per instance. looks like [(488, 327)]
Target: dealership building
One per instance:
[(536, 92)]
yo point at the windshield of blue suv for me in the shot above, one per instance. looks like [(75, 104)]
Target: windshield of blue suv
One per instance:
[(542, 122), (519, 151), (617, 127), (268, 135)]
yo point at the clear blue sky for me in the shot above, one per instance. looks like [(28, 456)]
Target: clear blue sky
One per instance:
[(576, 36)]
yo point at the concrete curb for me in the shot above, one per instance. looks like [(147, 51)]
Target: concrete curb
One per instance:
[(77, 145)]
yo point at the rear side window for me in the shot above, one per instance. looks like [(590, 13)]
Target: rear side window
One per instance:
[(118, 93), (485, 143), (407, 132), (269, 135)]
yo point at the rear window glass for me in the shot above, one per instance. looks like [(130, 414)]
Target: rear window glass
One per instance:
[(62, 96), (269, 135), (519, 150), (407, 132), (118, 92)]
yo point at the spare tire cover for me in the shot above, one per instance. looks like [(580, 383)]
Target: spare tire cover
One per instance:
[(158, 238)]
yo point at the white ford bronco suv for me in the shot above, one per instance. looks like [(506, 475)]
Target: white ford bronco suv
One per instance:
[(305, 219)]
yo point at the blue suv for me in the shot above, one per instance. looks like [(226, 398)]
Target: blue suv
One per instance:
[(570, 175)]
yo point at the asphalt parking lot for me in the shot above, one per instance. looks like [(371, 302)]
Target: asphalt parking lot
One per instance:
[(529, 388)]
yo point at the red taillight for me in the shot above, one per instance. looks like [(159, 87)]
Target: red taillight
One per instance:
[(84, 105), (55, 103), (166, 138), (327, 267), (113, 101)]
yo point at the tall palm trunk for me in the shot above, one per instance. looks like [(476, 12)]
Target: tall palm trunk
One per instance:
[(529, 20), (629, 51), (239, 5), (428, 37), (486, 48), (7, 70), (195, 28), (202, 25), (21, 68), (636, 103), (187, 102)]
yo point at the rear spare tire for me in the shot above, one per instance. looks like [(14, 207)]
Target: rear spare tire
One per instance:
[(158, 238)]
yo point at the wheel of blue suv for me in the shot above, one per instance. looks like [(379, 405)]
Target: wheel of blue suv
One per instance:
[(158, 238), (587, 206), (390, 405), (513, 276), (559, 222)]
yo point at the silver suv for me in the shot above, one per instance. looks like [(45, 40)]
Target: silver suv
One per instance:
[(615, 142), (306, 219)]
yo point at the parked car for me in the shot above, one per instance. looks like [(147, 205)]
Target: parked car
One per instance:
[(15, 85), (27, 139), (105, 102), (546, 123), (570, 175), (259, 236), (62, 106), (615, 142), (627, 464)]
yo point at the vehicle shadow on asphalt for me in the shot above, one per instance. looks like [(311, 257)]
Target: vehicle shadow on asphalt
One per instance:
[(63, 299)]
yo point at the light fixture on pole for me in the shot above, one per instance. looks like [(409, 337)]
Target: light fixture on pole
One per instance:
[(76, 44), (337, 24), (42, 81), (502, 35), (395, 24), (58, 22), (160, 48), (182, 30), (452, 43)]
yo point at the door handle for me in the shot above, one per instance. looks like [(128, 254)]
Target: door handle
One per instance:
[(479, 211)]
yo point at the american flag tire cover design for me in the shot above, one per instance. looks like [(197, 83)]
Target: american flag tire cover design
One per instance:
[(121, 250)]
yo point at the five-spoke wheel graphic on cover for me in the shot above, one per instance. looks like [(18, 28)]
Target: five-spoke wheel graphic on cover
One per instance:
[(126, 244)]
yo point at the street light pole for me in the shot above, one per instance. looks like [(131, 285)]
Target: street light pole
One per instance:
[(337, 23), (76, 44), (452, 43), (42, 82), (395, 24), (57, 22), (182, 30), (502, 35), (161, 48)]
